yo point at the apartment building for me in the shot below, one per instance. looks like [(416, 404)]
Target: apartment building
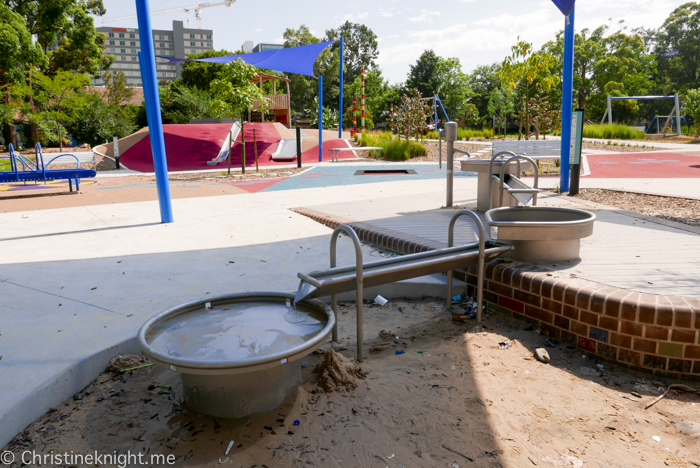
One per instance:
[(124, 44)]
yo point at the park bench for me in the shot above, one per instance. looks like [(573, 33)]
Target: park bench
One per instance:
[(376, 149), (536, 150)]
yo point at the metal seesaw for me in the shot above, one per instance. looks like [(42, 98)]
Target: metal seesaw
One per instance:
[(356, 277)]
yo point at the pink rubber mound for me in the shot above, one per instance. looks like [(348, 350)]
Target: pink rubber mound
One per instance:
[(187, 147)]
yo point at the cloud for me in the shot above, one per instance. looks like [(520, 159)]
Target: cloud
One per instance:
[(425, 17)]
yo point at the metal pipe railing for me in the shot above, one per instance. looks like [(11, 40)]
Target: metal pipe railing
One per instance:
[(358, 285), (503, 172), (480, 267)]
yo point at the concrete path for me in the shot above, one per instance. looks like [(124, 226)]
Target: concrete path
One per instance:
[(77, 283)]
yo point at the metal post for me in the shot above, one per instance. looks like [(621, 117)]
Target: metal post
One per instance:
[(242, 148), (566, 100), (678, 114), (439, 149), (298, 146), (354, 114), (610, 109), (391, 112), (340, 98), (116, 152), (435, 112), (320, 119), (450, 137), (362, 98), (482, 258), (358, 284), (230, 145), (255, 148), (147, 60)]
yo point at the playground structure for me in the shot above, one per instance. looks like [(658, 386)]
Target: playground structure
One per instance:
[(279, 104), (675, 112), (37, 171)]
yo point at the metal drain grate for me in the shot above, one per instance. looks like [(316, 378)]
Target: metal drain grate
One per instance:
[(386, 172)]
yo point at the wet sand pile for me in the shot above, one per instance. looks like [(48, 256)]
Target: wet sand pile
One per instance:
[(337, 373)]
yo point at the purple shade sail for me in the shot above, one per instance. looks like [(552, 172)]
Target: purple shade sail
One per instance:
[(299, 60), (565, 6)]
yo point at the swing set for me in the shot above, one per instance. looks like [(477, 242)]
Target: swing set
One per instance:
[(675, 112)]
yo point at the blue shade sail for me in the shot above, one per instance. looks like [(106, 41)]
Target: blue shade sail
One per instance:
[(565, 6), (299, 60)]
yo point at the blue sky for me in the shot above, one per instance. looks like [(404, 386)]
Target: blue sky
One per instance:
[(478, 32)]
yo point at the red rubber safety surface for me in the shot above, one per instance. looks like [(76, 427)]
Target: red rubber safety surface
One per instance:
[(189, 147), (656, 165)]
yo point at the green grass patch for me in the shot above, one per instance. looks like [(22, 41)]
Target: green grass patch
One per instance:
[(5, 165), (613, 131), (393, 149)]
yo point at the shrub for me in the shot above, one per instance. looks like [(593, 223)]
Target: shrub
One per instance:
[(612, 131), (393, 149)]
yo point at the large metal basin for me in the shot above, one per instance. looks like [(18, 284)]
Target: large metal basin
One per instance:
[(238, 354), (541, 233)]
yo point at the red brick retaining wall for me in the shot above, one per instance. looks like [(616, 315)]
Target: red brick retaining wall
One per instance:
[(652, 333)]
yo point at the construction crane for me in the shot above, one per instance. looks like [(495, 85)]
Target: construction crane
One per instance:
[(197, 11)]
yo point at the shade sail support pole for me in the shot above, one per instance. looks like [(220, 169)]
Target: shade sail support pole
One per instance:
[(320, 119), (147, 59), (566, 100), (340, 98)]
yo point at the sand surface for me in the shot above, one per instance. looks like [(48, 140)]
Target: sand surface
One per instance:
[(455, 397)]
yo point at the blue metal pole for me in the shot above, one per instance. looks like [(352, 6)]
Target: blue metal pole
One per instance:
[(320, 119), (147, 60), (566, 101), (443, 108), (340, 99)]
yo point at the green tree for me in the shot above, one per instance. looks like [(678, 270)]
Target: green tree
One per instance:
[(99, 120), (234, 93), (678, 48), (200, 75), (482, 82), (117, 91), (432, 75), (411, 113), (60, 98), (589, 48), (692, 107), (527, 72), (424, 75), (80, 48), (500, 106), (180, 103), (18, 56), (471, 115), (360, 48), (379, 95), (623, 70)]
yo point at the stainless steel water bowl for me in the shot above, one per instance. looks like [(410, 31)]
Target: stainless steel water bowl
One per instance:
[(238, 354), (541, 233)]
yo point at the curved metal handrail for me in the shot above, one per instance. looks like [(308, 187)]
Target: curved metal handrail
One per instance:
[(491, 176), (482, 256), (502, 176), (359, 280), (26, 163)]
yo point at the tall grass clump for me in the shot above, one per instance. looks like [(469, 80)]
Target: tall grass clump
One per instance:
[(612, 131), (464, 134), (393, 149)]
